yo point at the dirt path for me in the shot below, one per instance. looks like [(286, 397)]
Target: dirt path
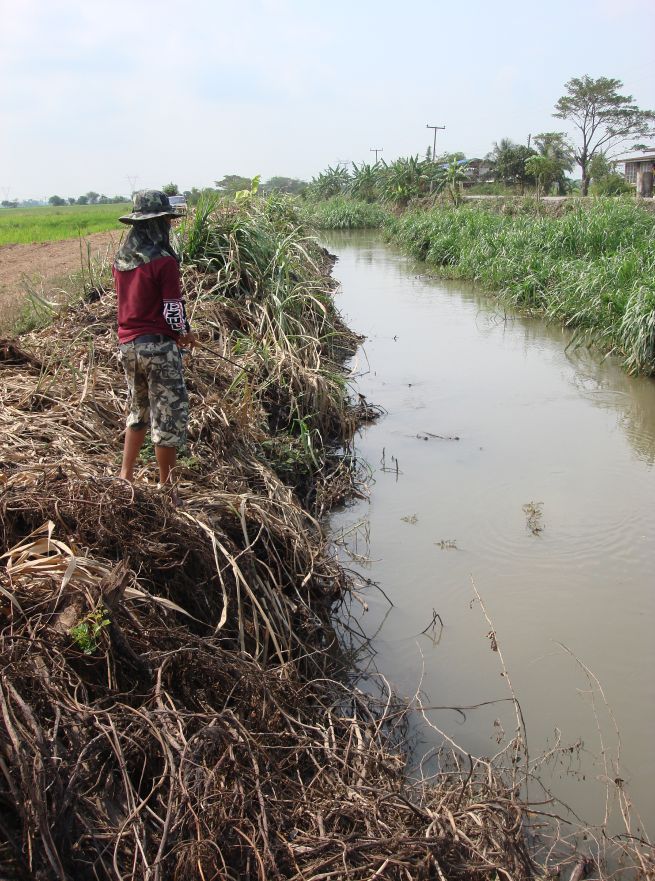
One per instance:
[(45, 265)]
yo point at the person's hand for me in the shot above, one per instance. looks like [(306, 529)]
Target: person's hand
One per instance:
[(186, 340)]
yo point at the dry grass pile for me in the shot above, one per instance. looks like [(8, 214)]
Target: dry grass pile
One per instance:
[(173, 701)]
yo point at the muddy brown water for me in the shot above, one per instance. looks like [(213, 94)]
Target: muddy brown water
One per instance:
[(573, 607)]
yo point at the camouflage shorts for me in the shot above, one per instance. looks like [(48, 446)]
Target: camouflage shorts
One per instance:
[(157, 393)]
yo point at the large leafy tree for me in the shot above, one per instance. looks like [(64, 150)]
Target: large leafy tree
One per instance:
[(281, 184), (232, 183), (604, 118), (507, 160)]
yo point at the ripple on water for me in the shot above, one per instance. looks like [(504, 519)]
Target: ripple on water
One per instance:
[(602, 534)]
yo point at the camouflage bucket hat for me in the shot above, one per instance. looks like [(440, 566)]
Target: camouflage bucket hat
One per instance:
[(148, 204)]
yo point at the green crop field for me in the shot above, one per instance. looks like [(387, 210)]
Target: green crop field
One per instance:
[(25, 225)]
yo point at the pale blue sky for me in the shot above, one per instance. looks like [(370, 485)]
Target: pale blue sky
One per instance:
[(190, 90)]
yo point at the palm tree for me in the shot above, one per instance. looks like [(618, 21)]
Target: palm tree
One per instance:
[(555, 147)]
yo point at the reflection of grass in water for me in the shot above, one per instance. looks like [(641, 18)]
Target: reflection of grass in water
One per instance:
[(534, 512)]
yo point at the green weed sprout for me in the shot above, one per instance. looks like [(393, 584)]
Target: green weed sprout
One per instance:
[(87, 632)]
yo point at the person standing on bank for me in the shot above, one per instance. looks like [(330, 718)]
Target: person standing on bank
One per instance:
[(152, 326)]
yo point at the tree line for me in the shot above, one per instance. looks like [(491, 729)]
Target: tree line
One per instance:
[(90, 198), (228, 185)]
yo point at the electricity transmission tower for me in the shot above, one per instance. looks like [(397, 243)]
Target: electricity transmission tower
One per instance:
[(376, 150), (132, 179)]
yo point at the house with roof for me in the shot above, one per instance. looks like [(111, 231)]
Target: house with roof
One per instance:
[(638, 170), (476, 170)]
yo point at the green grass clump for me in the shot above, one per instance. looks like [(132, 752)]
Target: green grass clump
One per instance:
[(344, 213), (25, 225), (592, 268), (263, 257)]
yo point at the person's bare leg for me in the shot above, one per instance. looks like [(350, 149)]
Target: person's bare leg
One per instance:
[(134, 438), (166, 458)]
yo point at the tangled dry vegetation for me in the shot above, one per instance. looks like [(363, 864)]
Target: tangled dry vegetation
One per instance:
[(173, 698)]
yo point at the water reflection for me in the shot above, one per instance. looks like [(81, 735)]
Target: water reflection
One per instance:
[(537, 422), (632, 398)]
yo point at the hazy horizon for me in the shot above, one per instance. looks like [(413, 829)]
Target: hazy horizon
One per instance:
[(94, 94)]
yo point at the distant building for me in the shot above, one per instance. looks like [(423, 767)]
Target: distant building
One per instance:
[(638, 170), (478, 170)]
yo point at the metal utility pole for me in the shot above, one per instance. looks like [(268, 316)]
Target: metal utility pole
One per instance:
[(376, 150), (529, 139), (434, 143)]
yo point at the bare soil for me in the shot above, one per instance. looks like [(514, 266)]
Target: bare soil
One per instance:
[(45, 266)]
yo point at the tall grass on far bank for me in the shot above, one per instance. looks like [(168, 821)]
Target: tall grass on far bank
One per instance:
[(25, 225), (592, 269), (343, 213)]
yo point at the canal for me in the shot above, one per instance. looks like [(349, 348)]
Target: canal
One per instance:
[(511, 465)]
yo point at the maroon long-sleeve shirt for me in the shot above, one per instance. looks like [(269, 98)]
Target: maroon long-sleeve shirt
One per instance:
[(150, 300)]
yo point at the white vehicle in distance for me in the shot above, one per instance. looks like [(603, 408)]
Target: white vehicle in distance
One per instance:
[(178, 203)]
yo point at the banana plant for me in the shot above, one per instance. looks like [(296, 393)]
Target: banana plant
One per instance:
[(453, 176), (404, 180), (365, 182), (332, 182)]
